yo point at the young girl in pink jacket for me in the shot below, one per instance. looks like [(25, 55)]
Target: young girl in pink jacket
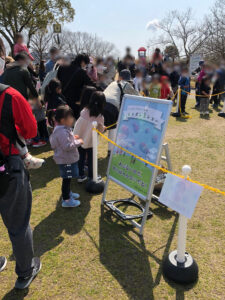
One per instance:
[(66, 155), (83, 128)]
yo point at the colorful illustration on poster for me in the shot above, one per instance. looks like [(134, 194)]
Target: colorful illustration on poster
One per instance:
[(140, 131)]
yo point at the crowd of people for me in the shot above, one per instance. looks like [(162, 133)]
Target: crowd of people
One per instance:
[(52, 96)]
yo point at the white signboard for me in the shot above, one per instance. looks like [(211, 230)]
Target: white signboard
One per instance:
[(194, 62), (180, 195)]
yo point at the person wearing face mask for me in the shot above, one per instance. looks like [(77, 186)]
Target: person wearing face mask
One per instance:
[(17, 76), (185, 85), (73, 78)]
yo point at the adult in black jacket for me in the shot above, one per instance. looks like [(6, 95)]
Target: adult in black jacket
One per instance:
[(73, 78)]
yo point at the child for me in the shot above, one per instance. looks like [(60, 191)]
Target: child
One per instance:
[(20, 46), (185, 85), (155, 87), (39, 113), (66, 154), (83, 128), (53, 94), (138, 80), (205, 92), (145, 86), (166, 92), (86, 96)]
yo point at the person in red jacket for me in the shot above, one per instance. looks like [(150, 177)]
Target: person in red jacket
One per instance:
[(166, 92), (16, 199)]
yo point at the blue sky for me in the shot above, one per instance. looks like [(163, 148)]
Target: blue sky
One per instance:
[(123, 22)]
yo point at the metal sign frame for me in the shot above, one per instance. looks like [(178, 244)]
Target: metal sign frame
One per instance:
[(155, 171)]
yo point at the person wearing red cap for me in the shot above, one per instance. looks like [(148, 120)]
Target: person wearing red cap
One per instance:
[(166, 92)]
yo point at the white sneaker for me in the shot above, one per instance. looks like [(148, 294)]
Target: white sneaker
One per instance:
[(32, 162)]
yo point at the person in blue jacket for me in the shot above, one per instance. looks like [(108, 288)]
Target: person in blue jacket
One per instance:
[(185, 85)]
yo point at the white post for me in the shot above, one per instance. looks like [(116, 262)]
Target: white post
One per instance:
[(95, 152), (182, 229)]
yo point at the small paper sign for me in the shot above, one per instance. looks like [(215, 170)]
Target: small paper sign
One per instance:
[(180, 195)]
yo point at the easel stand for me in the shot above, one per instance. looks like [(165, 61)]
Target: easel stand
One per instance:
[(179, 265), (144, 210)]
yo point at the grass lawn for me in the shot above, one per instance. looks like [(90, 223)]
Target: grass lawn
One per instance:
[(89, 256)]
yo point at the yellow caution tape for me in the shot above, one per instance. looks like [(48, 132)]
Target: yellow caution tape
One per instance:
[(202, 96), (111, 126), (158, 167)]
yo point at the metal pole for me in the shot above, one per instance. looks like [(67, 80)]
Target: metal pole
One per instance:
[(182, 229), (95, 151)]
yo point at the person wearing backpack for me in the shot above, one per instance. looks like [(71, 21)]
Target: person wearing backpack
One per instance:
[(15, 188), (114, 95)]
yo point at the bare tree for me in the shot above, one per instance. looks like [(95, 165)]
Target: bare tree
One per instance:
[(40, 43), (77, 42), (214, 47), (180, 30)]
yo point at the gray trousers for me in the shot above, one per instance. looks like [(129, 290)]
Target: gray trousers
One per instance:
[(15, 209), (204, 104)]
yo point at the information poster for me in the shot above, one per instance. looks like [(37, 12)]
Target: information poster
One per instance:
[(180, 195), (141, 128)]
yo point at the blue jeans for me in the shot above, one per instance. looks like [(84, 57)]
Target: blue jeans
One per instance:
[(69, 170)]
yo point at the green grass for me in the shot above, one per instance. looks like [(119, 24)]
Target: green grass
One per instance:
[(90, 254)]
